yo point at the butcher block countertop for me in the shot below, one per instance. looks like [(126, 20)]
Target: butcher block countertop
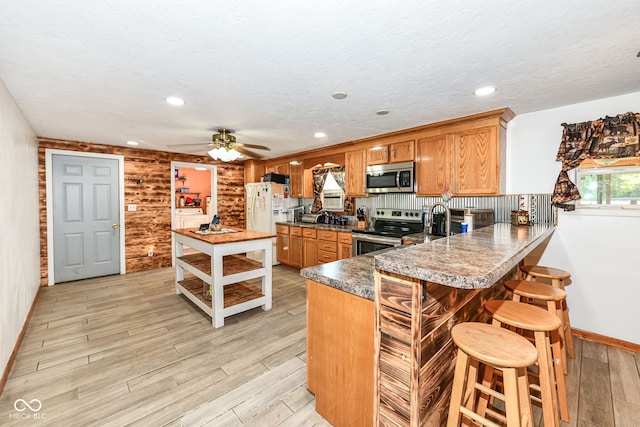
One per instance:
[(218, 238), (468, 261)]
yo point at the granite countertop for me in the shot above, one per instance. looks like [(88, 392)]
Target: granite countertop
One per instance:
[(469, 260)]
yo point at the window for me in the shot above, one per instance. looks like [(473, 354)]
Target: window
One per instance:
[(602, 184)]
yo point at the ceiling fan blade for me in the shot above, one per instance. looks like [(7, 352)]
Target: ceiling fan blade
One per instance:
[(191, 145), (248, 153), (257, 147)]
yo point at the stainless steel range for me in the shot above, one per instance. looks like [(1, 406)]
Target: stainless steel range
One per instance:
[(389, 227)]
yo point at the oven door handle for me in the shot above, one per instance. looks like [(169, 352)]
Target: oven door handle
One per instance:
[(376, 239)]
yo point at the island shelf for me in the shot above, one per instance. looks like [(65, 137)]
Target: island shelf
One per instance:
[(235, 282)]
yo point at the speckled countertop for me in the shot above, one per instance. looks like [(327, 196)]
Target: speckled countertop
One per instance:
[(470, 260)]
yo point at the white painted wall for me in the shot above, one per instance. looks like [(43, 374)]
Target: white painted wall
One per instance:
[(19, 232), (601, 252)]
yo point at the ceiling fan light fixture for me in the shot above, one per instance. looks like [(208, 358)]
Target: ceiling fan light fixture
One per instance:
[(224, 154)]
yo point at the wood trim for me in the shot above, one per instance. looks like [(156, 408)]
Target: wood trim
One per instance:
[(14, 353), (603, 339)]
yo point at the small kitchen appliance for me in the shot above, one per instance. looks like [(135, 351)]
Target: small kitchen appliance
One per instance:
[(481, 218)]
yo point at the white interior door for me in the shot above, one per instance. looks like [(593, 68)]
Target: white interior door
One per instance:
[(85, 217)]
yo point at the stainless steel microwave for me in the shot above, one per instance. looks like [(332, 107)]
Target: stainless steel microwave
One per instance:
[(391, 178)]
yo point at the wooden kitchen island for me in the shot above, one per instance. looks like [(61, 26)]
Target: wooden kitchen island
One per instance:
[(379, 350), (219, 278)]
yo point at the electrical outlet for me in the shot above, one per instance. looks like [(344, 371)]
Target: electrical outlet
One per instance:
[(132, 208), (150, 252)]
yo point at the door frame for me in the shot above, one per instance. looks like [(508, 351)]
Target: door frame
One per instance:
[(48, 162), (214, 195)]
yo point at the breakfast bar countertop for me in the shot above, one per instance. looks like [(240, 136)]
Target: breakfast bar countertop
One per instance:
[(469, 260)]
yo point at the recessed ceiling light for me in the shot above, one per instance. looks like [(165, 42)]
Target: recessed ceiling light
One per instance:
[(174, 100), (319, 134), (382, 112), (484, 91), (339, 95), (132, 142)]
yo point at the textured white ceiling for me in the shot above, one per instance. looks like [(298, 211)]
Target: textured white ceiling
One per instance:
[(98, 71)]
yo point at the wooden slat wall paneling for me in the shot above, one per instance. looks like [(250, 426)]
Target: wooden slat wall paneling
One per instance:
[(150, 225), (413, 378)]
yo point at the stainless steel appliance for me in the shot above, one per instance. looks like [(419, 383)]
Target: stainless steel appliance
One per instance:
[(481, 218), (391, 178), (390, 225), (310, 218)]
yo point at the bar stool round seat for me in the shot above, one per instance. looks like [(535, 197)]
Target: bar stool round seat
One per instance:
[(553, 298), (554, 274), (501, 349), (557, 277), (545, 327)]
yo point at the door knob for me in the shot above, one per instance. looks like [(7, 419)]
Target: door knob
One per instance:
[(115, 226)]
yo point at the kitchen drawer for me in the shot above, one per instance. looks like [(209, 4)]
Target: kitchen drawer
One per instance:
[(327, 235), (395, 295), (309, 232), (323, 245), (295, 231), (344, 238), (324, 256), (282, 229)]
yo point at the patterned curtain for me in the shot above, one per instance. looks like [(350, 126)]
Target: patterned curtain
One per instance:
[(338, 175), (319, 177), (605, 138)]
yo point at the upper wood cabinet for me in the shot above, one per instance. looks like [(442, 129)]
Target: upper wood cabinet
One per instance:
[(253, 170), (355, 163), (467, 162), (391, 153), (281, 168), (296, 175), (434, 171)]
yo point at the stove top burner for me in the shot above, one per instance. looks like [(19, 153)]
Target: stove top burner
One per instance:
[(395, 223)]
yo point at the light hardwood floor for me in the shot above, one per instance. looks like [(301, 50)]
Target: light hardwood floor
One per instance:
[(125, 350)]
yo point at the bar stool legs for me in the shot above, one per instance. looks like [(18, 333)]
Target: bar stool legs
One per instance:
[(544, 327), (496, 348), (557, 277)]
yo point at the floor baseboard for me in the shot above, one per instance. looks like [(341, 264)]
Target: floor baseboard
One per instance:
[(602, 339), (7, 369)]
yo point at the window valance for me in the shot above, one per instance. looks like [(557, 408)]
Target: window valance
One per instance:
[(605, 138)]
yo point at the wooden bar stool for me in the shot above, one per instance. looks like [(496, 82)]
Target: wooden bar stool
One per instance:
[(553, 298), (557, 277), (503, 350), (545, 327)]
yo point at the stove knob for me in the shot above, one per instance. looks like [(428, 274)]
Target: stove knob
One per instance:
[(406, 214)]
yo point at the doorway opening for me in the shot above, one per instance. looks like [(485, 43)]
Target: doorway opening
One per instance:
[(195, 196)]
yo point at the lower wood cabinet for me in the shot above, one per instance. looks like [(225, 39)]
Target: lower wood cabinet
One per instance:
[(310, 247), (295, 247), (282, 244), (340, 355), (344, 245)]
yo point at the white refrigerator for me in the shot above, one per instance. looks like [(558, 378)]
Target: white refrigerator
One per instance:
[(266, 205)]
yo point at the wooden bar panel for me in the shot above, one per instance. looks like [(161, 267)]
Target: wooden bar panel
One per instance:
[(423, 333)]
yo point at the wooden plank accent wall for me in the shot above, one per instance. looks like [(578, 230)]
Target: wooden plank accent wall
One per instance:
[(150, 225), (415, 356)]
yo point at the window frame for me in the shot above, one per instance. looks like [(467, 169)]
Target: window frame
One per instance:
[(606, 167)]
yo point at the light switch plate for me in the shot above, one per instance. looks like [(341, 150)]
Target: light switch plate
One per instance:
[(132, 208)]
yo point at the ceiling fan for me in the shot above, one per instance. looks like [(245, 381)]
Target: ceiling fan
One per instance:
[(223, 146)]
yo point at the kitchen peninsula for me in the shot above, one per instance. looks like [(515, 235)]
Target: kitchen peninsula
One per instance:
[(379, 350), (218, 275)]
